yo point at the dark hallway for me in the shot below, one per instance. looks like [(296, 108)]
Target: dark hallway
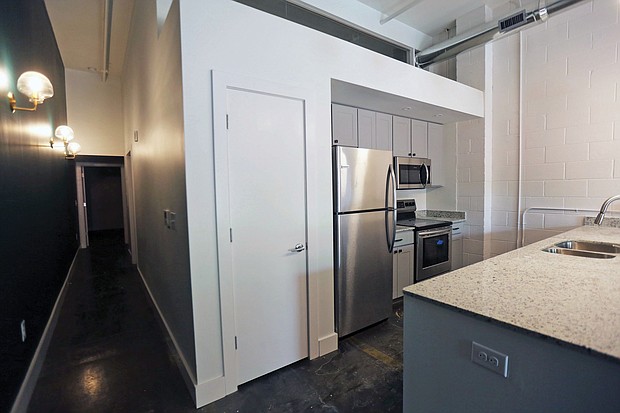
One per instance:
[(109, 354)]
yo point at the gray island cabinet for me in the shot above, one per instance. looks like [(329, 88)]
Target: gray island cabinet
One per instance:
[(556, 317)]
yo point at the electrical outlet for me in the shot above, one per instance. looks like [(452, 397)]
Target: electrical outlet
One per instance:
[(489, 358), (23, 330)]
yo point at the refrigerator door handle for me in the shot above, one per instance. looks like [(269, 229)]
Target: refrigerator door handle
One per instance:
[(390, 235)]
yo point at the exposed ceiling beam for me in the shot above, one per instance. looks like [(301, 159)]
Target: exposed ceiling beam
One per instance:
[(400, 10)]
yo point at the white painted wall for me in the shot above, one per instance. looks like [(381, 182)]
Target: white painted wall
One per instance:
[(153, 106), (94, 111), (229, 37), (444, 198)]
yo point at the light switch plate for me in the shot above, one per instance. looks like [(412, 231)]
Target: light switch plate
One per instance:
[(489, 358)]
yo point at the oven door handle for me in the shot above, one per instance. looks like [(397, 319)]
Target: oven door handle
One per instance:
[(432, 233)]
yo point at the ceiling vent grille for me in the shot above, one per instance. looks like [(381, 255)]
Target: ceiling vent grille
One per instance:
[(513, 21)]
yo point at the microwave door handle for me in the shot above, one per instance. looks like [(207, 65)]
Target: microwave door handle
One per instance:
[(423, 175)]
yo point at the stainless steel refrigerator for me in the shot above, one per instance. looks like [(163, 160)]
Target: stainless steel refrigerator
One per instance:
[(364, 230)]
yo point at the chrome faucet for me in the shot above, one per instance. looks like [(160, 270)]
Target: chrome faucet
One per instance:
[(599, 218)]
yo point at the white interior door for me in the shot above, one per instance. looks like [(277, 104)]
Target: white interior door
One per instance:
[(266, 158)]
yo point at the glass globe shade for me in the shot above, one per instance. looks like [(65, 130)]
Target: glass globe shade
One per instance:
[(64, 132), (36, 86)]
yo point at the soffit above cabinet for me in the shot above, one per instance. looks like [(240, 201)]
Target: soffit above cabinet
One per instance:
[(358, 96)]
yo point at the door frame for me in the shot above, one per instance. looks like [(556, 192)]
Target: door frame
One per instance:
[(81, 198), (221, 83)]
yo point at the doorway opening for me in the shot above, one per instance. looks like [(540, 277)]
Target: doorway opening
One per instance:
[(102, 199)]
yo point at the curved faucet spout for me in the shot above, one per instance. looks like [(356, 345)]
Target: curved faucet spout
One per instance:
[(599, 218)]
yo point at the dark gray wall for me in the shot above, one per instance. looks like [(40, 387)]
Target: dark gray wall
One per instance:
[(543, 376), (37, 192)]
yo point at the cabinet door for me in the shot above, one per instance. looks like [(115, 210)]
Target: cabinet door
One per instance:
[(401, 138), (435, 153), (384, 132), (419, 138), (344, 125), (457, 246), (403, 269), (366, 129)]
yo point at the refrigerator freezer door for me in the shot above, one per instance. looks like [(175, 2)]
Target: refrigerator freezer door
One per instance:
[(363, 270), (360, 176)]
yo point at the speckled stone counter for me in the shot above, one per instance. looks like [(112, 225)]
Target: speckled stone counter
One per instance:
[(452, 216), (572, 299), (607, 222)]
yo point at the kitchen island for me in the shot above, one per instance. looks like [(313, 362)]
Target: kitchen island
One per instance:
[(556, 317)]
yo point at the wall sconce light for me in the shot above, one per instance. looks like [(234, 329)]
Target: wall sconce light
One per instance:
[(73, 148), (34, 85), (65, 134)]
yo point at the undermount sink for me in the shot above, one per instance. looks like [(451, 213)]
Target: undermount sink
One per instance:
[(586, 249), (590, 246), (578, 253)]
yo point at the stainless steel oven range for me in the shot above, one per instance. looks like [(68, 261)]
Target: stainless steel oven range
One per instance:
[(433, 241)]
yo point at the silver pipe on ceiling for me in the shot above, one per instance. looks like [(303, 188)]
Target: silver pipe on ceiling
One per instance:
[(482, 34), (107, 34)]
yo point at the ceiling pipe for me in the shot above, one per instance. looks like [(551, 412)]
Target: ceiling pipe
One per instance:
[(107, 34), (482, 34), (399, 11)]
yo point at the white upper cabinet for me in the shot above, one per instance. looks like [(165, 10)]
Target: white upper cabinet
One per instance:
[(384, 132), (361, 128), (419, 138), (436, 153), (344, 125), (366, 128), (410, 137), (374, 130), (401, 136)]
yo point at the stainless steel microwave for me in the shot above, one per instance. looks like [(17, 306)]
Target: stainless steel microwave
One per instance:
[(412, 173)]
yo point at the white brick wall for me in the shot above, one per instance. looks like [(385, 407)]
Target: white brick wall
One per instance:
[(471, 146), (571, 78), (570, 119)]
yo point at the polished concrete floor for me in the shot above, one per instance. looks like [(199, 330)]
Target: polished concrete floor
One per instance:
[(109, 354)]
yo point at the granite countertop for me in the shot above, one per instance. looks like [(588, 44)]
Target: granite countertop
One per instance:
[(452, 216), (572, 299)]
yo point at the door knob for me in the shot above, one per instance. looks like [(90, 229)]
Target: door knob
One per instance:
[(298, 248)]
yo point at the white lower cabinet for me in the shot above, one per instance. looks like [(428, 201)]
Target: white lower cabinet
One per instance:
[(404, 261), (457, 246)]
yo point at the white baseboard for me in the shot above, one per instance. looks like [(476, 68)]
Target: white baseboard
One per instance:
[(202, 393), (210, 391), (32, 375), (328, 343), (199, 392)]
